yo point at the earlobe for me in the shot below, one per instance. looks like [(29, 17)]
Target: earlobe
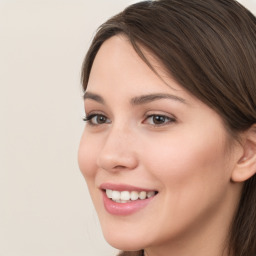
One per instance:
[(246, 165)]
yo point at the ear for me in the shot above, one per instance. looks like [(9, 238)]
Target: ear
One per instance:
[(246, 165)]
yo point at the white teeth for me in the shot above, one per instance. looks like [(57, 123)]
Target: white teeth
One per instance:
[(116, 195), (142, 195), (134, 195), (109, 193), (126, 196)]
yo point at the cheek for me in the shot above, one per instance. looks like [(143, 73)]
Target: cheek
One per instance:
[(87, 154), (194, 179), (189, 161)]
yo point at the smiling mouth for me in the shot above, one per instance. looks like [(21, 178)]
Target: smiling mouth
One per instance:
[(128, 196)]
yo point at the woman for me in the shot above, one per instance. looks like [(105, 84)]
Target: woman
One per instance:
[(169, 146)]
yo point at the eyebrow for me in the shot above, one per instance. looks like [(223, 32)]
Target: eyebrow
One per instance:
[(93, 96), (155, 96), (143, 99)]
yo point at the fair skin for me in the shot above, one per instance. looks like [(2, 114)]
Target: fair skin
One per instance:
[(171, 143)]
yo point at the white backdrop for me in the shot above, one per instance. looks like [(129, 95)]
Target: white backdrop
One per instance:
[(45, 209)]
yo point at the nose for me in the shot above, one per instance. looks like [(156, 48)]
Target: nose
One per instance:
[(118, 151)]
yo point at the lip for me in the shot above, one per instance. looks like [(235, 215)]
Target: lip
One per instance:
[(123, 209)]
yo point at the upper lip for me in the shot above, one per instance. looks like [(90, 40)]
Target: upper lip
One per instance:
[(123, 187)]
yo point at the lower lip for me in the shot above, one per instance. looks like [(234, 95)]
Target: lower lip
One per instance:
[(124, 208)]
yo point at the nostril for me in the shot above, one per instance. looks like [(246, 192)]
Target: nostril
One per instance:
[(120, 167)]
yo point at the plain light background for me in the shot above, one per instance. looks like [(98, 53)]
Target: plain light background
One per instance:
[(45, 209)]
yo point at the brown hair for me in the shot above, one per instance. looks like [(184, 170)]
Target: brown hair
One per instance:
[(209, 48)]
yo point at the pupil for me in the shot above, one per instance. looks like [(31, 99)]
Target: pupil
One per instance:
[(158, 119), (101, 119)]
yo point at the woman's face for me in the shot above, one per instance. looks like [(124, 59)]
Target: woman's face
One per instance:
[(147, 137)]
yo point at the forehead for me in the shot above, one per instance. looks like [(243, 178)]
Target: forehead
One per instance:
[(117, 63)]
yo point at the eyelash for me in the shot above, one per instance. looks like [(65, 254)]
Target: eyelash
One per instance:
[(89, 119), (167, 119), (162, 118)]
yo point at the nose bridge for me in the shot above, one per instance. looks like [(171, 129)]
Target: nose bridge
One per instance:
[(118, 150)]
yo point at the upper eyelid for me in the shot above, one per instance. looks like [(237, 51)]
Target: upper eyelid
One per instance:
[(160, 113), (91, 115), (94, 112), (163, 115)]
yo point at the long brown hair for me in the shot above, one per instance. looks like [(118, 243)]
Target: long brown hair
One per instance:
[(209, 48)]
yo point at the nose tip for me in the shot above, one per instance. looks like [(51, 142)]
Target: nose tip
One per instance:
[(116, 161), (117, 153)]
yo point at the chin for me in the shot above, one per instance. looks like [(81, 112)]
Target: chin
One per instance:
[(125, 245), (123, 241)]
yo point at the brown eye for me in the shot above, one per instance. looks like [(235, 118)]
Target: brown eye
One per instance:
[(158, 120), (96, 119), (99, 119)]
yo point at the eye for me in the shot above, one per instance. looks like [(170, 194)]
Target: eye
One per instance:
[(159, 120), (96, 119)]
